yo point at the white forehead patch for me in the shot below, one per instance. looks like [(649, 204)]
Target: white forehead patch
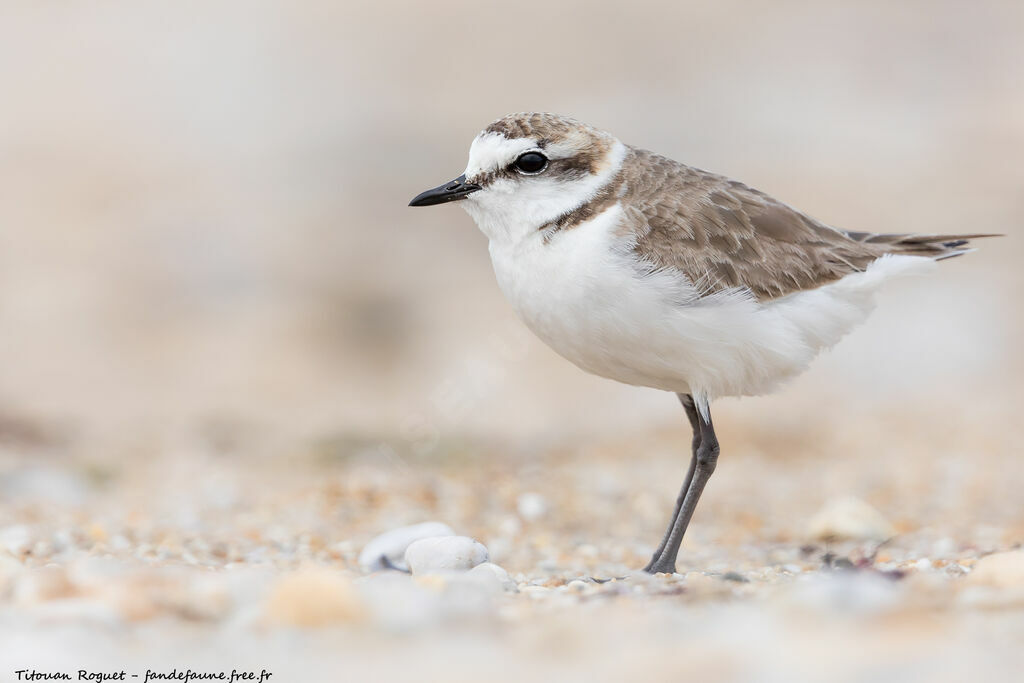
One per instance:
[(491, 151)]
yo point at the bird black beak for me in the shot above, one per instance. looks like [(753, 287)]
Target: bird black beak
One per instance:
[(449, 192)]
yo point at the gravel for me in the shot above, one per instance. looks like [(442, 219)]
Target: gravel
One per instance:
[(120, 575)]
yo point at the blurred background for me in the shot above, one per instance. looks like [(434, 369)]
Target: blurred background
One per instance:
[(205, 252), (204, 205)]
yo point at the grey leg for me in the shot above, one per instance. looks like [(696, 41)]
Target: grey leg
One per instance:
[(691, 414), (705, 457)]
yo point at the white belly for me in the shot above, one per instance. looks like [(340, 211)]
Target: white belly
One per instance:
[(584, 295)]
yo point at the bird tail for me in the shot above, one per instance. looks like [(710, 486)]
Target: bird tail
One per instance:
[(938, 247)]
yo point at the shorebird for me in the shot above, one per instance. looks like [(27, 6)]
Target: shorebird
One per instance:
[(644, 270)]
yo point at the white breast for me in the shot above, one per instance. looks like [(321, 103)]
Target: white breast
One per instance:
[(585, 295)]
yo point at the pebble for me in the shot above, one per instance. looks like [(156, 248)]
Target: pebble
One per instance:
[(944, 547), (464, 594), (15, 539), (43, 484), (43, 584), (442, 553), (454, 585), (955, 570), (510, 526), (199, 598), (534, 591), (849, 593), (548, 565), (398, 603), (849, 518), (498, 573), (531, 506), (10, 570), (78, 612), (315, 596), (699, 584), (152, 592), (999, 570), (996, 582), (387, 550)]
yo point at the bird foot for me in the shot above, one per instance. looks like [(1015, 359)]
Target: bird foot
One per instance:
[(660, 565)]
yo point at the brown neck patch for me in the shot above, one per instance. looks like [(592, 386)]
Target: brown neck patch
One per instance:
[(605, 198)]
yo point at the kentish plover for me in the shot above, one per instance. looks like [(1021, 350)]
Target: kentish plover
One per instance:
[(644, 270)]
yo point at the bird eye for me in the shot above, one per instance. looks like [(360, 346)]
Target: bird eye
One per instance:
[(531, 162)]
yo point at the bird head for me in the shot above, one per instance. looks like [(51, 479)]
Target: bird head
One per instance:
[(528, 169)]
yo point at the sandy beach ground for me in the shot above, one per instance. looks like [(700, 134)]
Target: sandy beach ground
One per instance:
[(207, 558), (230, 356)]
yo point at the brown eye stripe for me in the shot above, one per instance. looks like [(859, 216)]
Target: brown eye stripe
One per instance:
[(578, 166)]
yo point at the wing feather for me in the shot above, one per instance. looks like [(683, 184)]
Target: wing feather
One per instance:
[(723, 234)]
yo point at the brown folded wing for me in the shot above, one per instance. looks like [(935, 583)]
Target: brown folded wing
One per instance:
[(722, 234)]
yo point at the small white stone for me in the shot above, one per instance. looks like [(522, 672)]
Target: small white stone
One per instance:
[(535, 591), (996, 582), (42, 584), (15, 539), (510, 526), (444, 553), (850, 592), (999, 570), (484, 580), (83, 613), (388, 549), (850, 519), (499, 547), (548, 565), (312, 596), (924, 564), (944, 547), (396, 602), (531, 506), (499, 574), (577, 586), (10, 571), (120, 543), (455, 585)]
